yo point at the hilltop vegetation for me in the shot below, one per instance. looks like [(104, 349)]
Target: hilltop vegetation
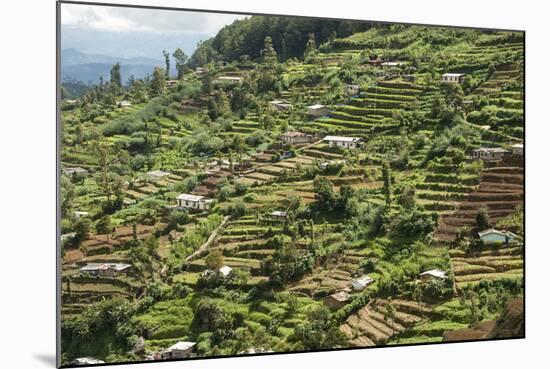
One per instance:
[(295, 223)]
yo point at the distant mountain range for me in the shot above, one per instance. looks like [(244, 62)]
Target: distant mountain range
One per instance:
[(89, 67)]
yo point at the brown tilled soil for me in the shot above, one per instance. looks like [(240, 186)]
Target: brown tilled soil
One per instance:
[(500, 191), (371, 326), (498, 263)]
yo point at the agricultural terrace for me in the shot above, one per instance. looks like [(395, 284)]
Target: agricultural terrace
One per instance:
[(281, 226)]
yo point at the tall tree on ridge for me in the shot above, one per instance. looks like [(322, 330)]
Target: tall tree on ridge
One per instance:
[(158, 82), (167, 61), (268, 53), (115, 75), (181, 59)]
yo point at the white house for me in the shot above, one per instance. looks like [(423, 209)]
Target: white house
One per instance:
[(124, 104), (200, 70), (493, 236), (225, 270), (279, 214), (360, 284), (489, 153), (228, 79), (324, 165), (280, 105), (79, 214), (179, 350), (517, 149), (452, 77), (193, 201), (433, 274), (346, 142), (255, 350), (66, 237), (105, 269), (171, 82), (157, 174), (75, 170), (351, 89), (317, 110), (295, 138), (393, 63), (86, 361)]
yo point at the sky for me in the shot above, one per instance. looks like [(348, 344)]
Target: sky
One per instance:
[(131, 32)]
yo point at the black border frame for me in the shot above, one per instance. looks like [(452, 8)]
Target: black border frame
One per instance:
[(58, 262)]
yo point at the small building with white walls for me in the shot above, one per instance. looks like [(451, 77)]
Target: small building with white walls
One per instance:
[(179, 350), (280, 105), (360, 284), (433, 274), (157, 174), (124, 104), (351, 89), (196, 202), (345, 142), (317, 110), (296, 138), (452, 78), (495, 237), (232, 80), (489, 153)]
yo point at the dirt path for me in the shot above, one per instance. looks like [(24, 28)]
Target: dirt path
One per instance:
[(209, 241)]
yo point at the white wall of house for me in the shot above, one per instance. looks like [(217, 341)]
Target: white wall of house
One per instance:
[(451, 79), (487, 155), (344, 144), (199, 205), (319, 112), (493, 238)]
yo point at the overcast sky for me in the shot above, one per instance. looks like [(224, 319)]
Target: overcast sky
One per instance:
[(117, 19), (131, 32)]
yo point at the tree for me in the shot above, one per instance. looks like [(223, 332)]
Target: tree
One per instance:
[(181, 59), (109, 182), (214, 260), (115, 75), (482, 219), (151, 245), (104, 226), (268, 53), (68, 194), (390, 311), (319, 331), (386, 177), (206, 86), (82, 229), (158, 82), (324, 193), (406, 199), (238, 145), (176, 218), (311, 47), (167, 62)]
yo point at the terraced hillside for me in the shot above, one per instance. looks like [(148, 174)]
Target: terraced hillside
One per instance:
[(372, 200), (476, 266), (382, 319), (500, 191)]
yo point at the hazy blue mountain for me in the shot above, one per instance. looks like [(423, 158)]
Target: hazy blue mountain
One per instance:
[(72, 57), (129, 44), (89, 67), (92, 71)]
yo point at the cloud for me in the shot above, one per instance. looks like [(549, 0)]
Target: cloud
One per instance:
[(117, 19)]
